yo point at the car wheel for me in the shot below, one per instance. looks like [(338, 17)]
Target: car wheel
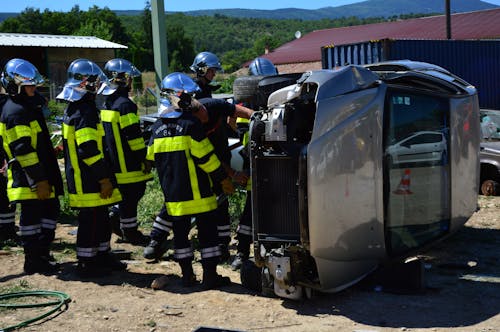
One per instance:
[(245, 89), (490, 188)]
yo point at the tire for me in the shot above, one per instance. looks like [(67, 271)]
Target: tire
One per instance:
[(245, 89), (251, 276), (490, 188)]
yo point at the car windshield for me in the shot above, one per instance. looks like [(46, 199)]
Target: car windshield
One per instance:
[(490, 124)]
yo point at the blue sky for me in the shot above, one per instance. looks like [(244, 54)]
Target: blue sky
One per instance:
[(170, 5)]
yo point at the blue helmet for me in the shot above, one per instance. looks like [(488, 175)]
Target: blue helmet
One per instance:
[(262, 67), (120, 73), (177, 90), (203, 61), (83, 76), (19, 72)]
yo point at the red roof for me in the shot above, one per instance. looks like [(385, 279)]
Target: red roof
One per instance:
[(484, 24)]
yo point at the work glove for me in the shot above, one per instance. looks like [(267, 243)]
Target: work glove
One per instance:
[(240, 178), (227, 186), (106, 188), (147, 166), (43, 190)]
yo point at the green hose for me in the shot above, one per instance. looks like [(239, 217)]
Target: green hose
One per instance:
[(62, 299)]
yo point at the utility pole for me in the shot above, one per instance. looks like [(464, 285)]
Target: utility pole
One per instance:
[(448, 19), (159, 42)]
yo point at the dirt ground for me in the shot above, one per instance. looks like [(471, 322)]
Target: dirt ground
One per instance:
[(461, 293)]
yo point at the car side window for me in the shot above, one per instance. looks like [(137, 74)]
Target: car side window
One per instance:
[(416, 169)]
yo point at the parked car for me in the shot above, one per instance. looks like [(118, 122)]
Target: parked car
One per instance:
[(489, 154), (420, 147), (328, 206)]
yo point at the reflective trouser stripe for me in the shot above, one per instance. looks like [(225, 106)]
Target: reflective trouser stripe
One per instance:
[(162, 224), (183, 253), (30, 229), (104, 246), (48, 223), (210, 252), (7, 218), (244, 229), (224, 230), (86, 252), (128, 222)]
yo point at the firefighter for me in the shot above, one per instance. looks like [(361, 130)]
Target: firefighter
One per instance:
[(187, 166), (214, 123), (90, 182), (34, 178), (125, 144), (262, 67), (205, 65), (7, 210), (244, 232), (213, 117)]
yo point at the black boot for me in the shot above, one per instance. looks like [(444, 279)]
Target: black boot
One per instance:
[(90, 268), (188, 276), (155, 249), (107, 260), (36, 262), (134, 236), (211, 279)]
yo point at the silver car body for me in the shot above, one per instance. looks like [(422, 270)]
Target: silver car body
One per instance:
[(332, 233)]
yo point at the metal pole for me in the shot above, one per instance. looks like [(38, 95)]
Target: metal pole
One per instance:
[(448, 19), (159, 41)]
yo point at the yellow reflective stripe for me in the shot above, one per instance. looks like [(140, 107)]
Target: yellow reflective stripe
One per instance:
[(24, 193), (245, 139), (136, 144), (110, 116), (81, 200), (150, 155), (202, 148), (69, 135), (242, 120), (128, 119), (17, 132), (119, 145), (191, 207), (85, 135), (100, 135), (132, 177), (193, 177), (28, 159), (211, 165), (171, 144), (91, 160)]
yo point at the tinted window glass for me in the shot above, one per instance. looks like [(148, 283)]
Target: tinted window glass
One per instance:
[(416, 170)]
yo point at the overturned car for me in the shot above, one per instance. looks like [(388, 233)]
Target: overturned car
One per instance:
[(332, 197)]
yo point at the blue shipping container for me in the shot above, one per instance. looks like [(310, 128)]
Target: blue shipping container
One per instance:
[(476, 61)]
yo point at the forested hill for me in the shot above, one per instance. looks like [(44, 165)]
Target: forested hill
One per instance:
[(369, 8), (364, 9)]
